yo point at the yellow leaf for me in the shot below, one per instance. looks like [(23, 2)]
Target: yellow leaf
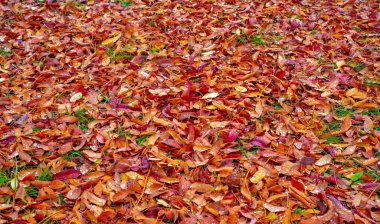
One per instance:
[(111, 40), (241, 89), (3, 70), (211, 107), (254, 94), (339, 64), (76, 96), (221, 106), (309, 211), (163, 202), (122, 91), (161, 121), (201, 148), (258, 176)]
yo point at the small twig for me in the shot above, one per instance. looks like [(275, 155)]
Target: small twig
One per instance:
[(142, 193)]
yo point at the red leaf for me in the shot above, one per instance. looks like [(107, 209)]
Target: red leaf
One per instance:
[(67, 174), (259, 141), (5, 101), (232, 136), (297, 185)]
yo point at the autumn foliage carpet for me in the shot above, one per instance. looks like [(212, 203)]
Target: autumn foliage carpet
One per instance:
[(209, 111)]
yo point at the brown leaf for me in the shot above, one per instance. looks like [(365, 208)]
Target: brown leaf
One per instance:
[(67, 119)]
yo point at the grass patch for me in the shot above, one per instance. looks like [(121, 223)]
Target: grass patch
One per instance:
[(259, 40), (357, 28), (342, 111), (83, 119), (334, 139), (36, 130), (255, 39), (358, 67), (61, 199), (40, 63), (32, 191), (122, 133), (5, 177), (240, 39), (372, 112), (373, 175), (332, 126), (71, 155), (7, 199), (111, 52), (371, 83), (125, 3), (5, 53), (45, 174), (277, 106), (242, 149), (142, 139)]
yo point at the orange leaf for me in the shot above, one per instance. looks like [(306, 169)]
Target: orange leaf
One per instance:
[(346, 125)]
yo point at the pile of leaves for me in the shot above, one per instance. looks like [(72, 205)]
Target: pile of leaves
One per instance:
[(143, 111)]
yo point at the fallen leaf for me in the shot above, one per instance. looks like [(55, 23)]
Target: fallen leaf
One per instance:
[(112, 40), (75, 97), (210, 95), (326, 159), (258, 176)]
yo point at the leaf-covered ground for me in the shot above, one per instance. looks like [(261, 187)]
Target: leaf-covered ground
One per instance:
[(189, 111)]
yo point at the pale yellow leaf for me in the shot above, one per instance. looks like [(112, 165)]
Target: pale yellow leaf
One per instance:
[(76, 96), (241, 89), (258, 176), (111, 40), (210, 95), (339, 64)]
